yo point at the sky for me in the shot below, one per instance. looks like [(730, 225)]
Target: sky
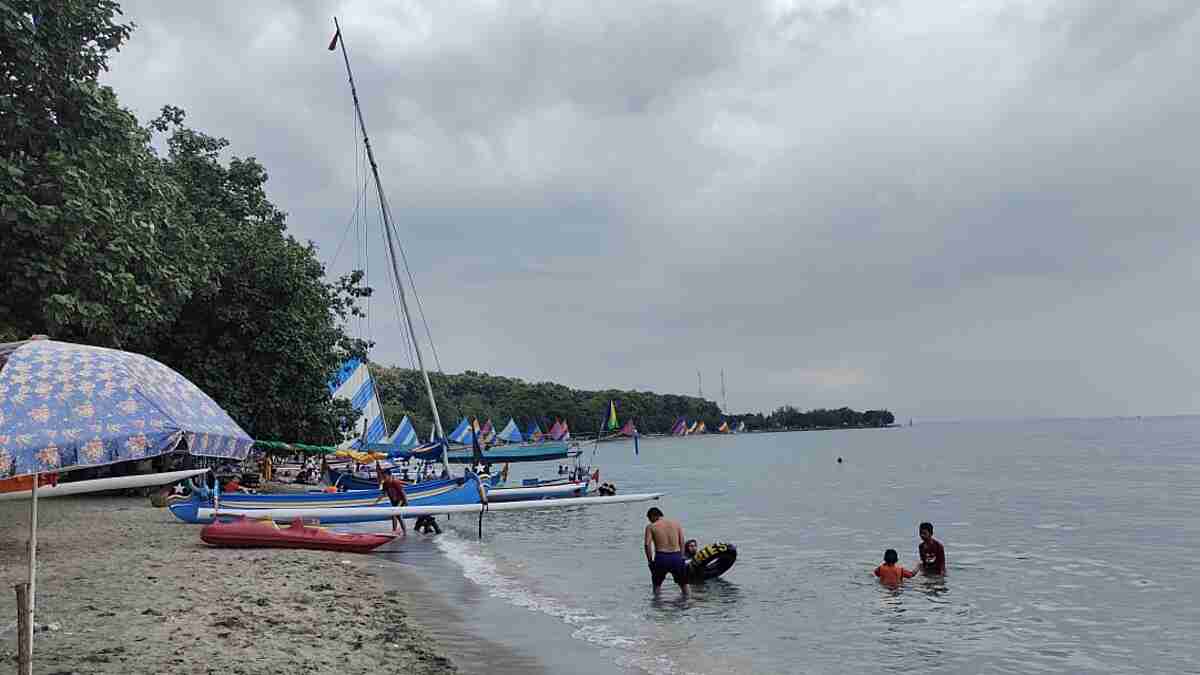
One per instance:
[(974, 209)]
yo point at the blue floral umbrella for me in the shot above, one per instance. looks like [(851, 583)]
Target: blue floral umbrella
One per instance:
[(66, 406)]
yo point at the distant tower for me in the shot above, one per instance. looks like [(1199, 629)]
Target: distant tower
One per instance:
[(724, 401), (699, 385)]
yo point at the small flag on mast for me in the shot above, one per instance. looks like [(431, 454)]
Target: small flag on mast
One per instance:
[(336, 36)]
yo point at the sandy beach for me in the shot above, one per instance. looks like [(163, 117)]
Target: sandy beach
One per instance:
[(134, 591)]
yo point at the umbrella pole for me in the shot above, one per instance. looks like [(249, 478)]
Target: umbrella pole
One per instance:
[(33, 502)]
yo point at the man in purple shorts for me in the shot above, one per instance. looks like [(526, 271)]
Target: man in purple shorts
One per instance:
[(664, 550)]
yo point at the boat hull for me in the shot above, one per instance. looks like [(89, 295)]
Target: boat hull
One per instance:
[(523, 493), (242, 532), (371, 514), (102, 484), (431, 493)]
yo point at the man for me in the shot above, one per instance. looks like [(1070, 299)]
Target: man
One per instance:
[(664, 550), (690, 548), (394, 489), (930, 551)]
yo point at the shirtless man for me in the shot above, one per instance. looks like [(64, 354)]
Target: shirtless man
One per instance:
[(664, 550)]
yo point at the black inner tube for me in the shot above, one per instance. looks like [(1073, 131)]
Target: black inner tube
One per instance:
[(712, 561)]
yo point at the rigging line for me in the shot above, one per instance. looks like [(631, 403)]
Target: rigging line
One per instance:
[(420, 308), (408, 345)]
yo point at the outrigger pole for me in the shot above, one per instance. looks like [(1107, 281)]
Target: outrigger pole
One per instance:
[(386, 212)]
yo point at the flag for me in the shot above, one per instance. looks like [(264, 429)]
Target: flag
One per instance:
[(612, 417), (336, 36)]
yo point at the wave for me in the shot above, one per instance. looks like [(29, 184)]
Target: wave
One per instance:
[(588, 626)]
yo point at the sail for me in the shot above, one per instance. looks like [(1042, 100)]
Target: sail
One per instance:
[(432, 432), (555, 430), (680, 427), (511, 432), (353, 383), (612, 423), (461, 433), (534, 432), (701, 429), (487, 433), (566, 435), (741, 427), (724, 428), (628, 429), (691, 429), (405, 436)]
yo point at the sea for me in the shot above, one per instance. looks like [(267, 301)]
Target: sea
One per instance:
[(1072, 547)]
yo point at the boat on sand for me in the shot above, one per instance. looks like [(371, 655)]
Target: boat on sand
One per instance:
[(243, 532)]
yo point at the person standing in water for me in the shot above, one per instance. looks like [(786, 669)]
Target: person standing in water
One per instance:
[(394, 489), (930, 551), (891, 573), (664, 550)]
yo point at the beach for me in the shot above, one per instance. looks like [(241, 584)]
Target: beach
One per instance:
[(126, 588)]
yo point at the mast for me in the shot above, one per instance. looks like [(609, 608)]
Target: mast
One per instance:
[(699, 385), (386, 213)]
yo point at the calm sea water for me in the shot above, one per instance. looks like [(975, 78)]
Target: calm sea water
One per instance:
[(1072, 547)]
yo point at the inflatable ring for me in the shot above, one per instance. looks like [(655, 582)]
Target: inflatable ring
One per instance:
[(711, 561)]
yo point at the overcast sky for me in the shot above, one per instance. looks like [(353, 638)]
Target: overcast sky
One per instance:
[(948, 209)]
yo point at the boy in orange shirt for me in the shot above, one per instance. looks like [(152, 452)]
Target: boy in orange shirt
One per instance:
[(890, 573)]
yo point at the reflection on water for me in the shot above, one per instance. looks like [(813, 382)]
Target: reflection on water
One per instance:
[(1070, 547)]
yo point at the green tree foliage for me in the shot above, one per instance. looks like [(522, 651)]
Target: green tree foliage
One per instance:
[(788, 417), (180, 257), (472, 394)]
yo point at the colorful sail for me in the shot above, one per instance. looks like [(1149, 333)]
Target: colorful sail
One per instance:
[(353, 383), (461, 433), (701, 429), (680, 427), (405, 435), (510, 432), (691, 429), (628, 429), (566, 432), (534, 432), (612, 423)]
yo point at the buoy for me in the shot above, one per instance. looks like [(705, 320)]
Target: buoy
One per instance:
[(839, 460)]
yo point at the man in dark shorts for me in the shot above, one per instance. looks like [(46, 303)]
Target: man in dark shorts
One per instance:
[(664, 550), (930, 551), (394, 488)]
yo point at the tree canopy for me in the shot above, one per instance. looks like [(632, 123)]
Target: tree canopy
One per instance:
[(182, 257), (473, 394)]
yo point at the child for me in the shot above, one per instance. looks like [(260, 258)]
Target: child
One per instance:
[(890, 573)]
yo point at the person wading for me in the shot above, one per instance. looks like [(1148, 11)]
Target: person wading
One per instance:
[(664, 550)]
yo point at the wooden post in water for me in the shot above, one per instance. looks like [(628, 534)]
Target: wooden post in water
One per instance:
[(24, 635)]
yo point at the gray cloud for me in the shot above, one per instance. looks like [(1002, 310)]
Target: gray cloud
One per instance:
[(979, 210)]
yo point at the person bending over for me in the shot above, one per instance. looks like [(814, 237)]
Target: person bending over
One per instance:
[(394, 489), (664, 550)]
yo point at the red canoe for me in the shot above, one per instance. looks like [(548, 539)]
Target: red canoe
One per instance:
[(255, 533)]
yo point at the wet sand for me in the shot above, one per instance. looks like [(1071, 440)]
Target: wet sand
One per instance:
[(132, 590)]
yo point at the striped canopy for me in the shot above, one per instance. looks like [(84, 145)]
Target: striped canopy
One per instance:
[(66, 406)]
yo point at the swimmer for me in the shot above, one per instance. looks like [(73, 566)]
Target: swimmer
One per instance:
[(690, 547), (663, 545), (890, 573), (930, 551)]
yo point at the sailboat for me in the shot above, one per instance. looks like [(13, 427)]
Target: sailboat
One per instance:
[(370, 513), (680, 428)]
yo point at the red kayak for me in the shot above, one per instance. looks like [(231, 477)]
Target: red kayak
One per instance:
[(245, 532)]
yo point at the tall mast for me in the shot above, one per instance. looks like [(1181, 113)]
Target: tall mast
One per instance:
[(699, 385), (386, 213)]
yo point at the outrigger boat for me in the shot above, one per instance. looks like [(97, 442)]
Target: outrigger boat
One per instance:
[(466, 490)]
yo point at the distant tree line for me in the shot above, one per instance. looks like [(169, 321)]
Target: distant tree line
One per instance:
[(473, 394)]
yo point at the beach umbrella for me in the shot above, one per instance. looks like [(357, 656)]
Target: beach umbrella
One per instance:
[(66, 406)]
